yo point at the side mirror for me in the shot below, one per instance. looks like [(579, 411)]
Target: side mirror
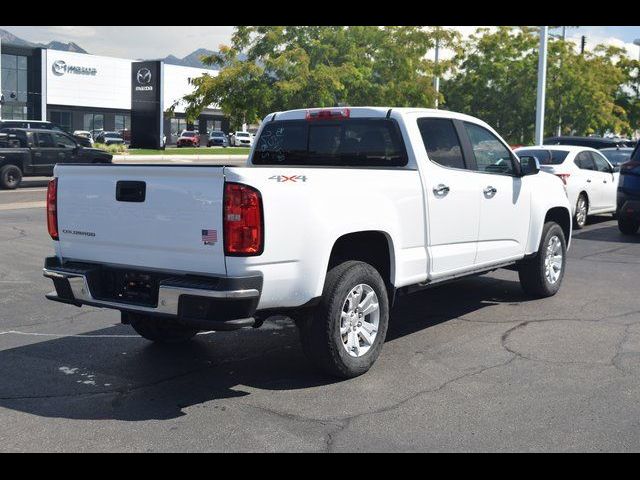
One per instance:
[(529, 165), (616, 168)]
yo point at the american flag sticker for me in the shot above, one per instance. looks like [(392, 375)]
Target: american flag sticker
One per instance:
[(209, 237)]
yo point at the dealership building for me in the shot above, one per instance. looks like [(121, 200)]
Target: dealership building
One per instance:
[(89, 92)]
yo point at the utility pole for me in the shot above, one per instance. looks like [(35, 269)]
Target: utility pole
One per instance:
[(564, 39), (1, 96), (583, 43), (436, 79), (542, 80)]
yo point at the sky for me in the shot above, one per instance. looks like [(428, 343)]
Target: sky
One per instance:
[(150, 42)]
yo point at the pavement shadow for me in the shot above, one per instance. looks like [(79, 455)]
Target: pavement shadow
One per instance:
[(609, 233), (112, 374)]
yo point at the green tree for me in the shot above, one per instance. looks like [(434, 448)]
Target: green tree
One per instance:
[(271, 68), (497, 82)]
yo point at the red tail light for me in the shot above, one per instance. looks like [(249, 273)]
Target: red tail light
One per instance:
[(563, 177), (328, 114), (52, 208), (243, 223)]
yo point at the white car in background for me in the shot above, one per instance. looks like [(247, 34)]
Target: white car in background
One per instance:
[(589, 178), (241, 139), (84, 134)]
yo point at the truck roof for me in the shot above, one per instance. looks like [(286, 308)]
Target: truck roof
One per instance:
[(373, 112)]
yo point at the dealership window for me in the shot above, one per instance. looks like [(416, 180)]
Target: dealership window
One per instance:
[(214, 125), (62, 119), (93, 121), (177, 126), (14, 86), (123, 122)]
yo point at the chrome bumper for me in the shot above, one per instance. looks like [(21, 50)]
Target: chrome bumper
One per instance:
[(168, 295)]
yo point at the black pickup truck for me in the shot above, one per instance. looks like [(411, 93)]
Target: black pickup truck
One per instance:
[(38, 153)]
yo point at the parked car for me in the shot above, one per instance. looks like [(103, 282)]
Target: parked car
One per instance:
[(43, 125), (188, 139), (84, 134), (39, 152), (241, 139), (404, 199), (588, 177), (218, 139), (628, 199), (592, 142), (109, 138), (617, 156)]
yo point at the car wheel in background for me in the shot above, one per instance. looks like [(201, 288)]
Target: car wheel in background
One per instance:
[(10, 177), (541, 275), (628, 226), (582, 209)]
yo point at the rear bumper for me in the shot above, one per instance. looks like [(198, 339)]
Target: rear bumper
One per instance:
[(215, 303)]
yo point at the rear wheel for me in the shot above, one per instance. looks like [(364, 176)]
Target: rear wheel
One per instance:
[(541, 275), (10, 177), (582, 209), (160, 330), (344, 334), (628, 226)]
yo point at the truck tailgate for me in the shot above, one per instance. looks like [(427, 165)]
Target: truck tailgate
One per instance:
[(175, 224)]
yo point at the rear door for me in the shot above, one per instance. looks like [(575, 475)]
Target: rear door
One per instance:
[(150, 217), (453, 195)]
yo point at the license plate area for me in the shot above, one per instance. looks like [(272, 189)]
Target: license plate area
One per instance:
[(126, 286)]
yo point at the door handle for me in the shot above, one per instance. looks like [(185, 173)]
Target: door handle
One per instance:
[(490, 191), (588, 180), (441, 190)]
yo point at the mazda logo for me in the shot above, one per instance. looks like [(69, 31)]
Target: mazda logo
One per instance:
[(59, 67), (144, 76)]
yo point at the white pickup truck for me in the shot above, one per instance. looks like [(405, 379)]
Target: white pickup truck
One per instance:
[(336, 213)]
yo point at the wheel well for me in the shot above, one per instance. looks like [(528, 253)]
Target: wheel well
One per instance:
[(371, 247), (562, 217)]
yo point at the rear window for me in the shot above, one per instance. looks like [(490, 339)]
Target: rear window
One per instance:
[(546, 157), (350, 142)]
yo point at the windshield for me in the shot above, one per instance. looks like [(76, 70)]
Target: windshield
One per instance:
[(112, 135), (616, 157), (546, 157), (188, 134), (217, 134), (349, 142), (242, 134)]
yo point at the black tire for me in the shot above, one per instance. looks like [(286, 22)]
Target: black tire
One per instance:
[(320, 334), (628, 226), (161, 330), (532, 271), (10, 177), (579, 224)]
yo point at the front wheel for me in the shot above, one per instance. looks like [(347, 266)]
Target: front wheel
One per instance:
[(628, 226), (541, 275), (161, 330), (344, 334)]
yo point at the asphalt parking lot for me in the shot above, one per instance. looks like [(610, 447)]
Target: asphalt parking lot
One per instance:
[(469, 366)]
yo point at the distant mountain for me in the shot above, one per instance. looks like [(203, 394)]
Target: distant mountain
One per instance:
[(10, 38), (192, 60), (65, 47)]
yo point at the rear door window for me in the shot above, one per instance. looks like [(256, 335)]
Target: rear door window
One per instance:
[(441, 142), (349, 142)]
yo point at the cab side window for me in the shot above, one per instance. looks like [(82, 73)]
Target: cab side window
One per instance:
[(63, 141), (584, 161), (441, 142), (491, 154), (45, 140)]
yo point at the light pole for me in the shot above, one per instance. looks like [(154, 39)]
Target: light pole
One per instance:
[(542, 79), (637, 42), (436, 79)]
